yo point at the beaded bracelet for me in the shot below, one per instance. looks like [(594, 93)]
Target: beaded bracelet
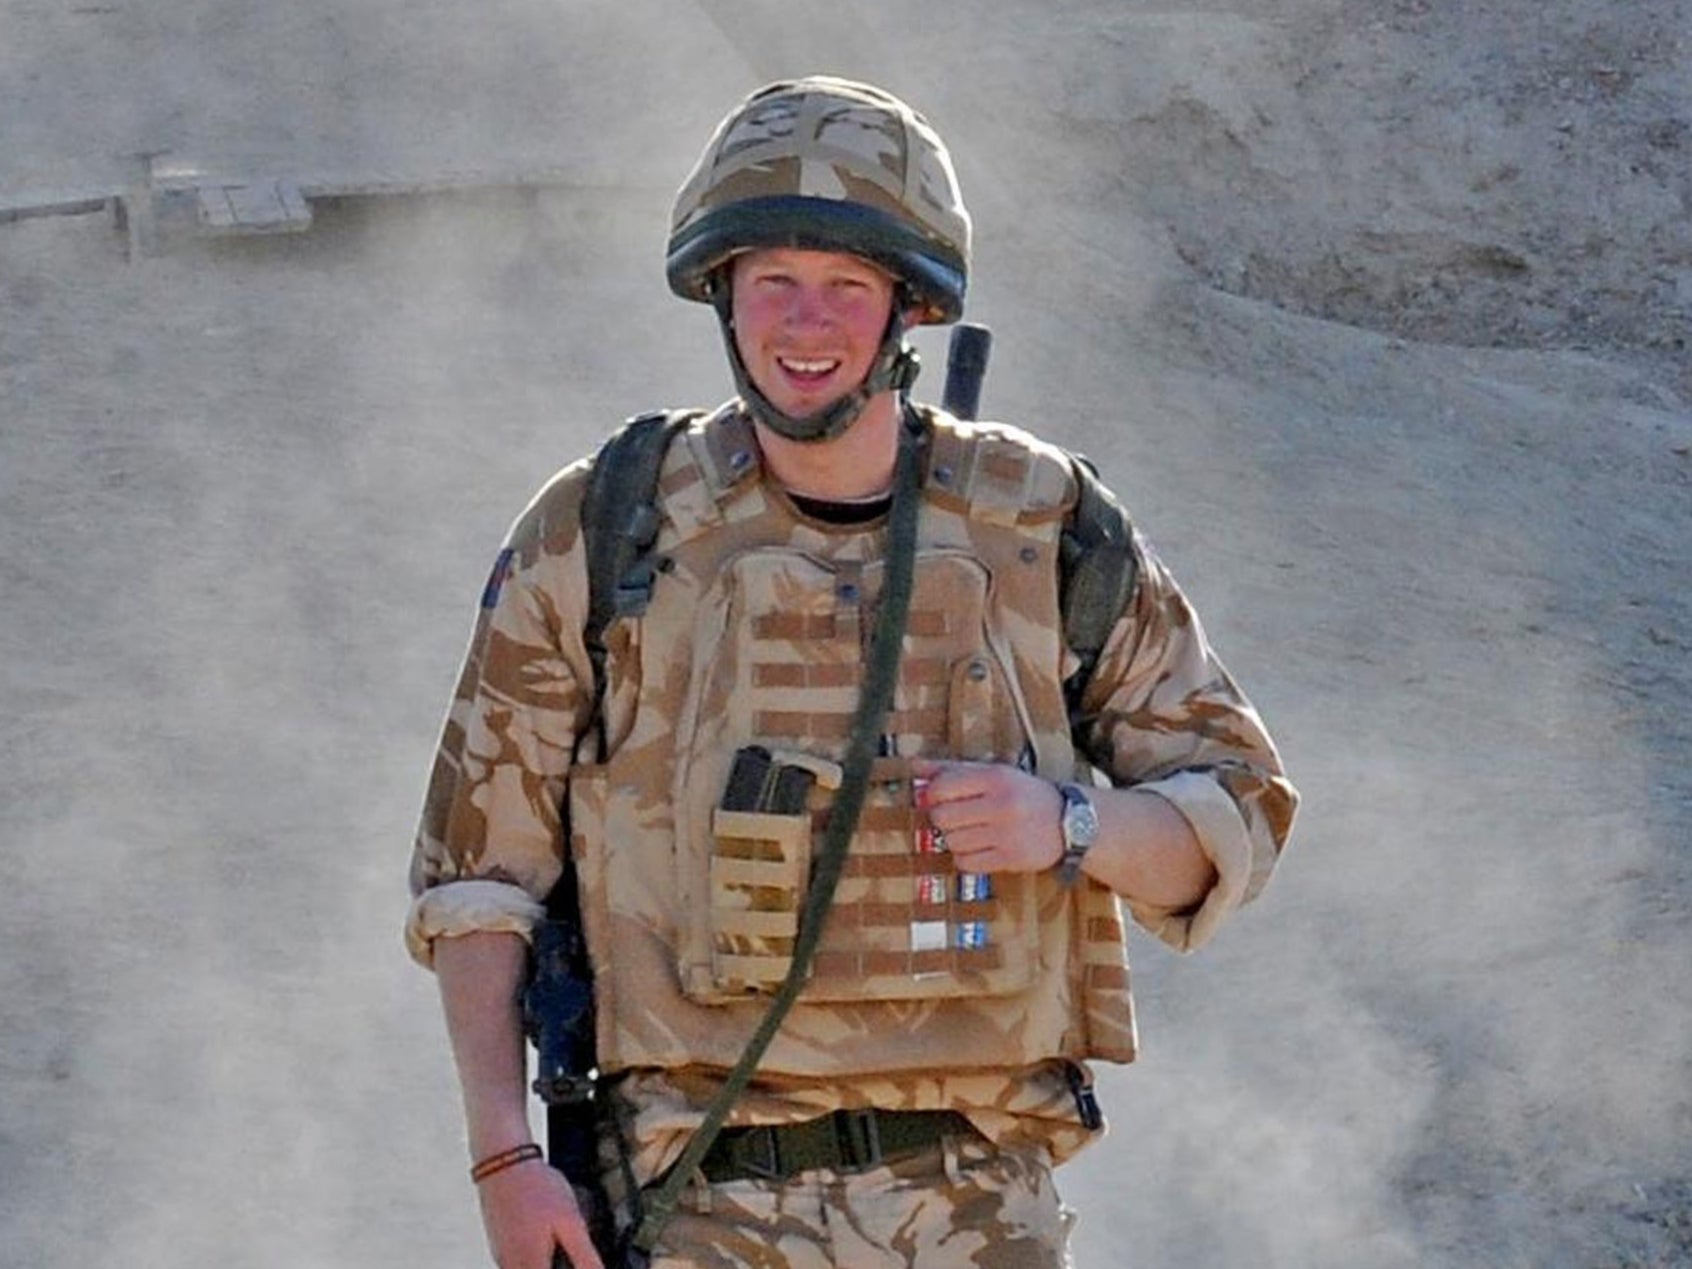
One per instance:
[(495, 1163)]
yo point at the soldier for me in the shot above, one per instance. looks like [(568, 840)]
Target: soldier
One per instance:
[(910, 1107)]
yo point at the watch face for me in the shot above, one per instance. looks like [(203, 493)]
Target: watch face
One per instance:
[(1080, 819)]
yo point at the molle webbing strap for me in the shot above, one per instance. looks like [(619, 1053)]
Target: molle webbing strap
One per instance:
[(881, 675)]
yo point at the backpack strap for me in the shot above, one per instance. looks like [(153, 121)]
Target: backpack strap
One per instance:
[(1098, 568), (619, 526)]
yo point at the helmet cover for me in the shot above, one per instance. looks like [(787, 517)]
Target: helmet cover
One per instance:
[(826, 164)]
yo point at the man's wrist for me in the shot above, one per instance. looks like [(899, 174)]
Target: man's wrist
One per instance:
[(1078, 824), (503, 1160)]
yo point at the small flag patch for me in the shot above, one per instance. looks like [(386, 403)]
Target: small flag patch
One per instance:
[(496, 579)]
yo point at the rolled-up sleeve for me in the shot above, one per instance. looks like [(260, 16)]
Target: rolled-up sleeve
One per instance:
[(1163, 715), (468, 907), (490, 843)]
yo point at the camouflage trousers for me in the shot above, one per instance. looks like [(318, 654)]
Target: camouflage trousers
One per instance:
[(961, 1203)]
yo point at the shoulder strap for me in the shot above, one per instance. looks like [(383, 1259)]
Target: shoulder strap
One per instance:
[(1098, 571), (619, 525)]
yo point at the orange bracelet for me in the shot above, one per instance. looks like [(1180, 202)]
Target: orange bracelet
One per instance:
[(495, 1163)]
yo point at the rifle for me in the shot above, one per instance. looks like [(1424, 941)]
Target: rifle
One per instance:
[(558, 1009), (559, 1018)]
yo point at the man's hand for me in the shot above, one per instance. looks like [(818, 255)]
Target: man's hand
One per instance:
[(994, 817), (998, 818), (530, 1211)]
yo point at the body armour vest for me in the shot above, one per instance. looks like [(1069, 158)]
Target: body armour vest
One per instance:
[(755, 640)]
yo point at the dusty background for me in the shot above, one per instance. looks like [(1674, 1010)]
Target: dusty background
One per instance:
[(1376, 313)]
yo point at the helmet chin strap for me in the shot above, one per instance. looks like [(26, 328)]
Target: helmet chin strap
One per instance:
[(894, 369)]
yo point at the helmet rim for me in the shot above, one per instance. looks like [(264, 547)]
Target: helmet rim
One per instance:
[(936, 274)]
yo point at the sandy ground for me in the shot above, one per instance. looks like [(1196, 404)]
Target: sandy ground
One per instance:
[(1374, 312)]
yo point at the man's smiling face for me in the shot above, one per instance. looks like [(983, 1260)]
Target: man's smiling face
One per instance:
[(808, 323)]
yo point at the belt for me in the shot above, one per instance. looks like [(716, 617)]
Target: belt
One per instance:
[(845, 1141)]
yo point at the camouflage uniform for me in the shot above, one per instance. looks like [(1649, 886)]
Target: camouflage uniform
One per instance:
[(678, 994), (755, 635)]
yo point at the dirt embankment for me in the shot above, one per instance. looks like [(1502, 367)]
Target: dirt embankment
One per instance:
[(1498, 175)]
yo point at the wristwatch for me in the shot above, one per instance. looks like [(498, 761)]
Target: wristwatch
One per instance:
[(1080, 825)]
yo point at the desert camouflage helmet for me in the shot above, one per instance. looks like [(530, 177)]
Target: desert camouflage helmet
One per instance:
[(831, 165)]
